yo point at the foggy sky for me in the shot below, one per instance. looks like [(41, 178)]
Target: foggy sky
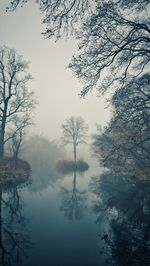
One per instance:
[(54, 85)]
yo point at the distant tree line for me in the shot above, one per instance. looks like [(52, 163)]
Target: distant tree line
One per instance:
[(42, 154)]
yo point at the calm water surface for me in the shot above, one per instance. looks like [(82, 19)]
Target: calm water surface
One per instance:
[(76, 220)]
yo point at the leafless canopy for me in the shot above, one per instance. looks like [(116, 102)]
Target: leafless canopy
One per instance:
[(60, 17), (74, 130), (114, 37), (114, 46)]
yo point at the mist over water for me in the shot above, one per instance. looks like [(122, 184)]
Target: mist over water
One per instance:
[(75, 219)]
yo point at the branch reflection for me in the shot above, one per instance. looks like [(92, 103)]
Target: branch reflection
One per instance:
[(14, 242), (123, 207), (73, 202)]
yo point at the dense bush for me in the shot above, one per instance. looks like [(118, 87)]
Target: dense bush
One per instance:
[(8, 163), (13, 173), (67, 166)]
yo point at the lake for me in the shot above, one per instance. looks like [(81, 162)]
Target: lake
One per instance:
[(78, 219)]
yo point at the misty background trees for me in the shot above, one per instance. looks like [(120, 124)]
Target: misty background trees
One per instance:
[(17, 101), (17, 135), (42, 154)]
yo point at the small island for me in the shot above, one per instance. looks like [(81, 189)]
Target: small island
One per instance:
[(74, 133)]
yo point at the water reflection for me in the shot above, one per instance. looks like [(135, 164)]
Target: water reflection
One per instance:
[(73, 201), (14, 241), (123, 206)]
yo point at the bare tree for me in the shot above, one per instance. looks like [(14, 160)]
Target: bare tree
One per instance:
[(15, 98), (17, 134), (125, 142), (74, 132)]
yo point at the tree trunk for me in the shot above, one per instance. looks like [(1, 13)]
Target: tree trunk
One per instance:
[(74, 196), (2, 130), (74, 183), (2, 143), (1, 218), (75, 152), (1, 149)]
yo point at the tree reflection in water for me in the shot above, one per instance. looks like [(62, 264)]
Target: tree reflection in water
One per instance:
[(124, 203), (14, 242), (73, 202)]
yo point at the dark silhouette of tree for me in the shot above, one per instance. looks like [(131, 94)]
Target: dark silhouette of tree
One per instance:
[(126, 140), (74, 132), (15, 98)]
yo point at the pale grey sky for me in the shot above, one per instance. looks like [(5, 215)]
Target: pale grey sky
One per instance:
[(54, 85)]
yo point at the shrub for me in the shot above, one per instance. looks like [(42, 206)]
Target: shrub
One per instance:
[(67, 166)]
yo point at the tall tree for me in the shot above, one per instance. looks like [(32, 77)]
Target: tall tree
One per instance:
[(74, 132), (15, 98)]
